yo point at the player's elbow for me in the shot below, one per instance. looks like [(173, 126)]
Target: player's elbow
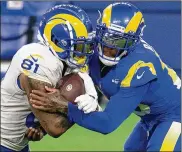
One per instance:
[(107, 127), (55, 132), (107, 130), (55, 129)]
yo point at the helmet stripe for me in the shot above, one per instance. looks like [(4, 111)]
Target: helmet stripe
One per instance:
[(134, 23), (107, 15), (78, 26)]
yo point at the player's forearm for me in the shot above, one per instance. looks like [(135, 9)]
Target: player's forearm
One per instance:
[(61, 125), (97, 121), (118, 109), (54, 124)]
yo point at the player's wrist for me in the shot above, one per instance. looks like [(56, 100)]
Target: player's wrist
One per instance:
[(62, 108)]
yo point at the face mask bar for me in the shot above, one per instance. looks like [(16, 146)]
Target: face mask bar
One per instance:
[(115, 40), (82, 51), (122, 43), (77, 50)]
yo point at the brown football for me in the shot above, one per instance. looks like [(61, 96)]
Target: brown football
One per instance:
[(71, 86)]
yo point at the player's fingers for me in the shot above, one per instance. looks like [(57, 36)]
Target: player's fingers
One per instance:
[(36, 102), (27, 131), (39, 93), (86, 112), (30, 134), (87, 107), (89, 110), (79, 99), (51, 90), (81, 105), (36, 135), (37, 97), (40, 107), (41, 135)]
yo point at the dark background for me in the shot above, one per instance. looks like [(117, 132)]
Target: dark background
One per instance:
[(163, 30)]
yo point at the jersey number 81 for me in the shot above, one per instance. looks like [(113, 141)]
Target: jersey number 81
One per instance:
[(27, 64)]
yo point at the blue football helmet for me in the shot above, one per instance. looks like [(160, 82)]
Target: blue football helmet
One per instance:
[(120, 28), (67, 31)]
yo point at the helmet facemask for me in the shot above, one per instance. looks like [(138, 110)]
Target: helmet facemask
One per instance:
[(65, 30), (80, 52), (76, 52), (120, 42)]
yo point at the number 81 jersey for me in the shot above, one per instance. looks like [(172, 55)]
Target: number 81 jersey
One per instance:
[(37, 62)]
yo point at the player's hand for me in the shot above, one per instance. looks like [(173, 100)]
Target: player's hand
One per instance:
[(89, 85), (34, 134), (87, 103), (49, 102)]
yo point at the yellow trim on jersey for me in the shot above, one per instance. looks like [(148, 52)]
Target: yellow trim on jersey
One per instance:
[(171, 137), (35, 55), (107, 15), (171, 73), (127, 80), (78, 26), (162, 63), (27, 73), (134, 23)]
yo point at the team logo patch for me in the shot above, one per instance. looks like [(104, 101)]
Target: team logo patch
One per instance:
[(64, 42)]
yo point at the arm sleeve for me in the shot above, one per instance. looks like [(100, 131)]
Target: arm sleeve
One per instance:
[(118, 109)]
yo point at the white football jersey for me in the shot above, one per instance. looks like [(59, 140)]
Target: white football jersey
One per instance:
[(37, 62)]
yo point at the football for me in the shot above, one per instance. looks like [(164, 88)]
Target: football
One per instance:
[(71, 86)]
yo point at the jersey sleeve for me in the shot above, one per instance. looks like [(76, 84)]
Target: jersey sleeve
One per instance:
[(119, 107), (139, 74), (41, 67)]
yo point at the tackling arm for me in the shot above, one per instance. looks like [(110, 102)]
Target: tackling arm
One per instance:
[(54, 124), (118, 109)]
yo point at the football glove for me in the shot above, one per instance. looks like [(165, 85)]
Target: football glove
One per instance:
[(87, 103)]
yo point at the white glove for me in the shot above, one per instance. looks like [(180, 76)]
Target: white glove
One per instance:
[(87, 103), (89, 85)]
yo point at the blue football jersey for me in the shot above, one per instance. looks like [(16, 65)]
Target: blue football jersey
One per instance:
[(143, 66)]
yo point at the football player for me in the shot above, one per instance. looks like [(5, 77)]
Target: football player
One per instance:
[(65, 44), (135, 79)]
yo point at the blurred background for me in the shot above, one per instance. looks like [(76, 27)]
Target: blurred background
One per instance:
[(19, 22)]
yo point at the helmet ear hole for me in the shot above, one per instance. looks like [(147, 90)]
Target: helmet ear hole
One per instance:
[(54, 40)]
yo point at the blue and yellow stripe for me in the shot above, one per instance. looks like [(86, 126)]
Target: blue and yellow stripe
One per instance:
[(171, 137), (77, 25), (133, 69)]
